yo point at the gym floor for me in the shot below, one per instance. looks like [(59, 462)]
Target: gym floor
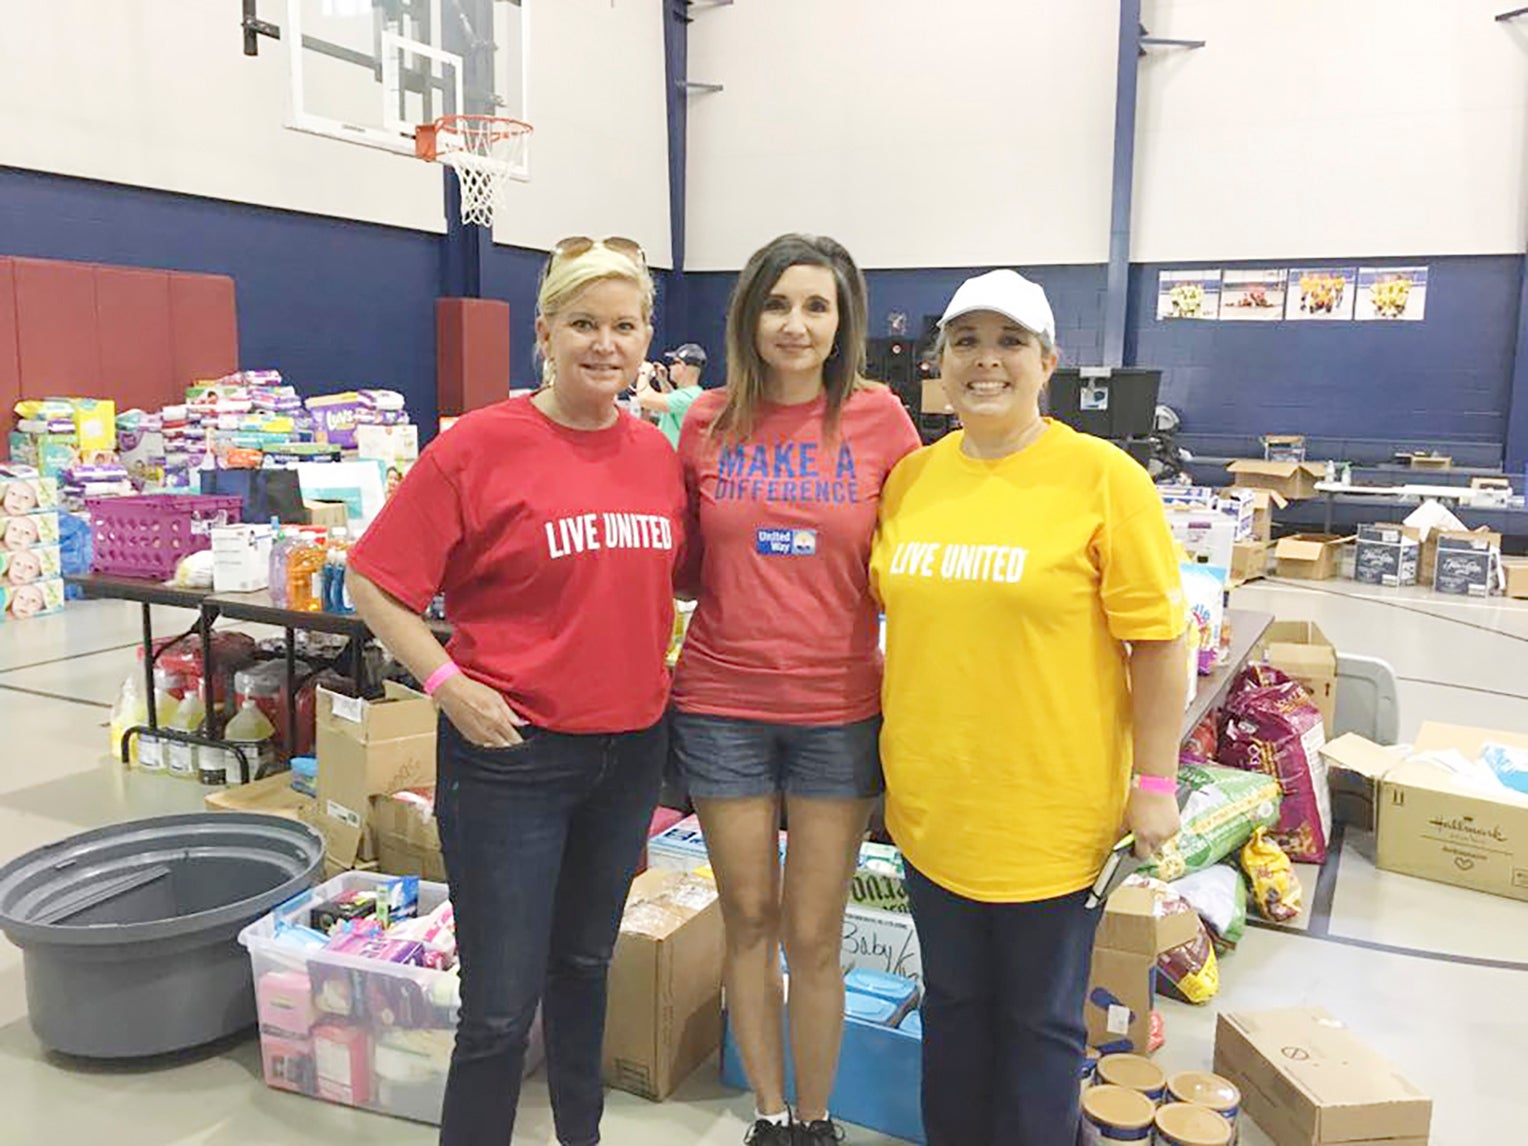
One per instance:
[(1422, 971)]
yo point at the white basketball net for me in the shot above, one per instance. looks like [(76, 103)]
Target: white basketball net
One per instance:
[(484, 152)]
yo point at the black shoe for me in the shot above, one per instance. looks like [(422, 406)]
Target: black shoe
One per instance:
[(820, 1133), (766, 1133)]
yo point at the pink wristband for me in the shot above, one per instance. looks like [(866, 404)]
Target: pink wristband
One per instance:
[(439, 677), (1157, 785)]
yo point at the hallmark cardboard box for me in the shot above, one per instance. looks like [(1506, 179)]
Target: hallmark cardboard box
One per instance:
[(1300, 649), (1307, 1080), (1310, 556), (1292, 480), (369, 748), (1132, 932), (1430, 823), (664, 1014)]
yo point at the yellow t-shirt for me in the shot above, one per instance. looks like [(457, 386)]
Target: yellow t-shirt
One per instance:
[(1009, 587)]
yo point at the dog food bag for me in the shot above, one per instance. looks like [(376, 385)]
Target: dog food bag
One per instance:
[(1223, 807)]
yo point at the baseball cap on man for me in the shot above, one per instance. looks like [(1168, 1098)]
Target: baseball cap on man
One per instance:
[(691, 354), (1008, 293)]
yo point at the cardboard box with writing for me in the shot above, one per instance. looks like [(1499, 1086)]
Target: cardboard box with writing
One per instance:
[(1428, 569), (1292, 480), (664, 1015), (1388, 555), (406, 836), (1131, 934), (1430, 823), (1515, 571), (1310, 556), (369, 748), (1207, 536), (1307, 1080), (1300, 649), (1466, 566)]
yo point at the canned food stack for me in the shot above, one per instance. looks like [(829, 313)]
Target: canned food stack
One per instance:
[(1130, 1099)]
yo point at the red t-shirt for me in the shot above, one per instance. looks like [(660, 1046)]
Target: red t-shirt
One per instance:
[(784, 629), (556, 551)]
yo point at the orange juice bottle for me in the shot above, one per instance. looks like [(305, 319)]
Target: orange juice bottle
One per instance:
[(305, 577)]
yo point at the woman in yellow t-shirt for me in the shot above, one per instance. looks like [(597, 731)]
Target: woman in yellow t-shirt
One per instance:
[(1035, 684)]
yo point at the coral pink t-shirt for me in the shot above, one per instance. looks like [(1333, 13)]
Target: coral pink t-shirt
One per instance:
[(781, 524)]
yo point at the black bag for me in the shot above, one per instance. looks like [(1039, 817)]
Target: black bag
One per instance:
[(266, 493)]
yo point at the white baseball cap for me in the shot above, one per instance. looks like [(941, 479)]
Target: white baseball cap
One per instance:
[(1009, 294)]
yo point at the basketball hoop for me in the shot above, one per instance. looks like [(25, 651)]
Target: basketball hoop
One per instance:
[(483, 150)]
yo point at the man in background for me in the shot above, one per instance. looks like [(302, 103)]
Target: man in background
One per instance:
[(669, 391)]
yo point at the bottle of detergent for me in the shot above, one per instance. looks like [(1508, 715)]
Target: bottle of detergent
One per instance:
[(181, 759)]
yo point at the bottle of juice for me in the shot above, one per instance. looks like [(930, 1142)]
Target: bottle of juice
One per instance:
[(181, 759), (305, 577), (251, 730)]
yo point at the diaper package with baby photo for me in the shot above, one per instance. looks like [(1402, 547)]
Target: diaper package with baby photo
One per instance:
[(22, 602), (23, 491), (29, 531), (25, 566)]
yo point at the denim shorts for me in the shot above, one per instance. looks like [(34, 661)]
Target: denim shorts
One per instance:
[(723, 758)]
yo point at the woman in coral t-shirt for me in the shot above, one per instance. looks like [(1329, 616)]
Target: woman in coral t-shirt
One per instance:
[(776, 694)]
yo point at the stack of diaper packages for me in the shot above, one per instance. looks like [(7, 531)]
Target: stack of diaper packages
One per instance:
[(31, 564)]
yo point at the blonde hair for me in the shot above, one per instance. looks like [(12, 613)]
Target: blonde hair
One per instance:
[(844, 371), (565, 277)]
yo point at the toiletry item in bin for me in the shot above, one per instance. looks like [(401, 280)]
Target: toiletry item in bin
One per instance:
[(288, 1064), (342, 1062), (284, 1003), (379, 948), (350, 905)]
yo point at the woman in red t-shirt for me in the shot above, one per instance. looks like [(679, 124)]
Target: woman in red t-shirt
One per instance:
[(777, 691), (553, 526)]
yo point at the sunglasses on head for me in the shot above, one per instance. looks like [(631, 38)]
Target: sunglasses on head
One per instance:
[(576, 245)]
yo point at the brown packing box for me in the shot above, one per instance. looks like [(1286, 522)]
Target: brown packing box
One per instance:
[(1265, 501), (1427, 570), (1516, 572), (1284, 447), (664, 1015), (1431, 462), (1307, 1080), (1355, 766), (1293, 480), (328, 513), (1300, 649), (1310, 556), (406, 836), (934, 399), (1130, 937), (1249, 560), (366, 749), (274, 796)]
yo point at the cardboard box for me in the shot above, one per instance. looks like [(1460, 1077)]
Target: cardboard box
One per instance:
[(885, 941), (328, 514), (664, 1015), (1515, 570), (1355, 768), (273, 796), (20, 492), (1434, 463), (1208, 537), (1292, 480), (1388, 555), (1310, 556), (1300, 650), (1427, 571), (1465, 566), (365, 749), (387, 444), (241, 558), (1249, 561), (1121, 983), (1264, 502), (1284, 447), (934, 399), (406, 836), (1307, 1080)]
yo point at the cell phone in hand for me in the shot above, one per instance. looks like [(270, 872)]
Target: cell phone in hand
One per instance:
[(1120, 866)]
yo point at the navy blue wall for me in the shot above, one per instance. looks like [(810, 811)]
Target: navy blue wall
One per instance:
[(329, 303)]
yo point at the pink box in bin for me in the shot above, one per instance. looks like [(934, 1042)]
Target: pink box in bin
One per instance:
[(359, 1031)]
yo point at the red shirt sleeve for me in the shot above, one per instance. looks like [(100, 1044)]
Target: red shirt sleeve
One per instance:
[(904, 435), (409, 545)]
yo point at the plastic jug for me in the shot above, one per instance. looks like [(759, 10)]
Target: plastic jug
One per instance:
[(151, 754), (181, 759), (305, 577), (251, 730), (130, 710)]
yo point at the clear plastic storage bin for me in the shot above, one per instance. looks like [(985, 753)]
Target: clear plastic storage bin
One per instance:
[(356, 1031)]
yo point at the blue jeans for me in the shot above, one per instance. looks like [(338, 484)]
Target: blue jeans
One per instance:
[(1003, 1032), (540, 842)]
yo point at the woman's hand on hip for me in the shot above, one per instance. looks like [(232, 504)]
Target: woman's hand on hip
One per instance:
[(480, 713), (1153, 817)]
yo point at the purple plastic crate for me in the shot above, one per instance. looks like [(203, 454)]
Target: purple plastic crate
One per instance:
[(147, 536)]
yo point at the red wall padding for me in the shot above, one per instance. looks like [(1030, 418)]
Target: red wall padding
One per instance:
[(204, 324), (471, 353), (137, 355), (10, 353), (56, 324), (138, 337)]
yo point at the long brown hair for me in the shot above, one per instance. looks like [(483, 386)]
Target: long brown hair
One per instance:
[(842, 373)]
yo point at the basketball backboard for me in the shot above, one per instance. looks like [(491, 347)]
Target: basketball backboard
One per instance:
[(369, 72)]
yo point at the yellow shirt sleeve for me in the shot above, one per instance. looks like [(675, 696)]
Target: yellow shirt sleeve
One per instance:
[(1139, 582)]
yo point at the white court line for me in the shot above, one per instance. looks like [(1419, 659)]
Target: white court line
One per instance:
[(1501, 604)]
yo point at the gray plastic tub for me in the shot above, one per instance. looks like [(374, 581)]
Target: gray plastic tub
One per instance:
[(129, 934)]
